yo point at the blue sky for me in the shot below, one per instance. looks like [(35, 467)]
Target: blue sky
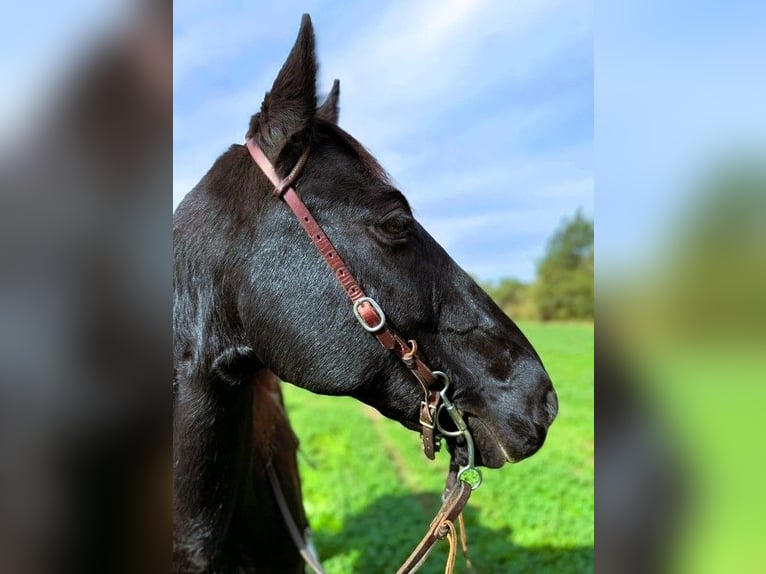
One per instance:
[(482, 111)]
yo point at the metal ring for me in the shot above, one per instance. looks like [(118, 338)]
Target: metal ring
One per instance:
[(470, 475), (444, 432), (442, 375), (378, 310)]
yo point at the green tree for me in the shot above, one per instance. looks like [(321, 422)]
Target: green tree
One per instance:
[(514, 297), (507, 292), (564, 288)]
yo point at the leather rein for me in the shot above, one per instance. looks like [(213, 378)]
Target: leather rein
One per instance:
[(460, 481)]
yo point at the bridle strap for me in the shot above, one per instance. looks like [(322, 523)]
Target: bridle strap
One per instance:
[(366, 309), (440, 526), (303, 548)]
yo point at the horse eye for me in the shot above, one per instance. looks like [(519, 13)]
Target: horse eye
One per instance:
[(395, 226)]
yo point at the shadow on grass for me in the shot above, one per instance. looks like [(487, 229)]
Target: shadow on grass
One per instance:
[(379, 539)]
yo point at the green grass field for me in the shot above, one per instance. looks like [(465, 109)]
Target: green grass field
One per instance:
[(370, 493)]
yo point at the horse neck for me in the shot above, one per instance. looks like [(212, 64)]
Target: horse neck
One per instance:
[(273, 437), (261, 526)]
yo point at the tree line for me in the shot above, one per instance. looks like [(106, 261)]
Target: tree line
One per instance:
[(563, 286)]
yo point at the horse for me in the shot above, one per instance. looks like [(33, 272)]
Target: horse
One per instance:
[(253, 302)]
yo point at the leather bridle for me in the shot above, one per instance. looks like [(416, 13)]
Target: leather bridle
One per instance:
[(461, 481)]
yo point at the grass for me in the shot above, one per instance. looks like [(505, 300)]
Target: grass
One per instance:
[(370, 493)]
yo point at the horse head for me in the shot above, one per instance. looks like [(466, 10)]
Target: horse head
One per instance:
[(257, 294)]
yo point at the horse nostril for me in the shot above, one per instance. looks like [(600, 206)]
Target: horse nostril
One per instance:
[(551, 405)]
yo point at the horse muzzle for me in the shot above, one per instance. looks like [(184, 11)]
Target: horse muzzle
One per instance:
[(508, 437)]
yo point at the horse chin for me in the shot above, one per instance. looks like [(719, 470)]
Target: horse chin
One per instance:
[(488, 452), (493, 452)]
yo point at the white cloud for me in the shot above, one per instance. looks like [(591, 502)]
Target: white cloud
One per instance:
[(409, 65)]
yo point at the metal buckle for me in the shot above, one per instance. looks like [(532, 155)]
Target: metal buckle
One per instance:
[(378, 310), (432, 410)]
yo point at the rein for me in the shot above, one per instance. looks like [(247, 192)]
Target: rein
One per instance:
[(460, 482)]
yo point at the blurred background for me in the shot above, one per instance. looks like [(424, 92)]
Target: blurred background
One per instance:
[(680, 141), (85, 287)]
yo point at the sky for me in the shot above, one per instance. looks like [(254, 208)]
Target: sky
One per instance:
[(679, 88), (482, 111)]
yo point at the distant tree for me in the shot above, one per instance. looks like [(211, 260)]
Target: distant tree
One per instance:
[(513, 296), (508, 292), (564, 288)]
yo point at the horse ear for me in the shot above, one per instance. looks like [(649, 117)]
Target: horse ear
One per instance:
[(330, 109), (290, 105)]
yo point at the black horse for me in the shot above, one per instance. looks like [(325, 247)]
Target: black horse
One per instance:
[(253, 297)]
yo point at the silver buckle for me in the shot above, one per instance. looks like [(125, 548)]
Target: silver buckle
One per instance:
[(378, 310), (432, 411)]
